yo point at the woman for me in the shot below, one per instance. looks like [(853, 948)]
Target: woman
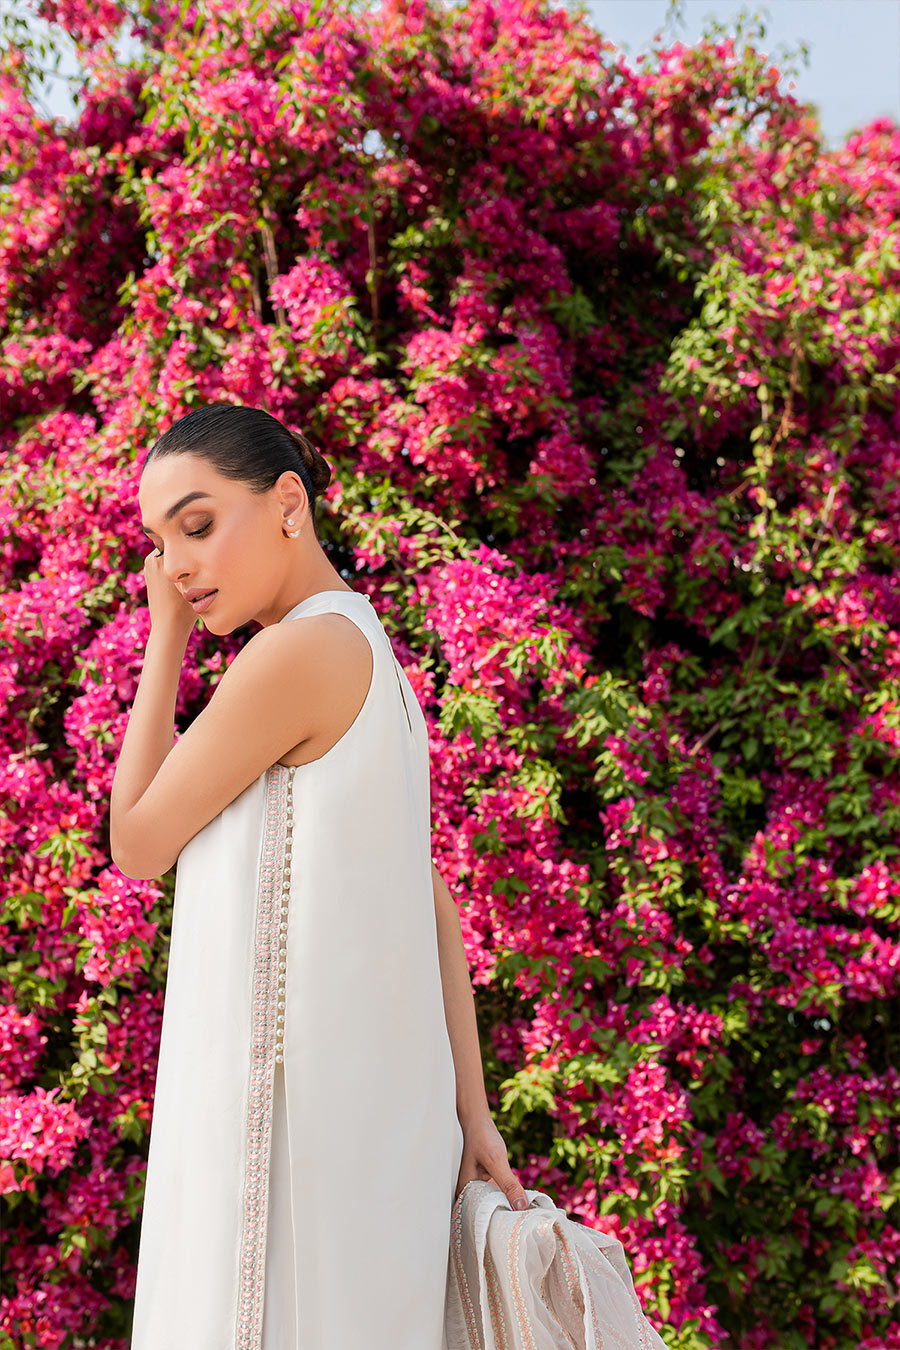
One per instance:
[(319, 1097)]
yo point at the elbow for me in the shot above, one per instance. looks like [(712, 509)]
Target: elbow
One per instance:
[(135, 866), (131, 856), (129, 867), (139, 870)]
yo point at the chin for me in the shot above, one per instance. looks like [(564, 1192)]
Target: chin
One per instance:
[(221, 627)]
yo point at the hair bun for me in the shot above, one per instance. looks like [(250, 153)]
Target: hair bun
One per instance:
[(318, 467)]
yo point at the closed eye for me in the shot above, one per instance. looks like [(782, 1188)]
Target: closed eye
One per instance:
[(194, 534)]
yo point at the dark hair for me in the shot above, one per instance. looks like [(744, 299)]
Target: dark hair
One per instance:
[(248, 445)]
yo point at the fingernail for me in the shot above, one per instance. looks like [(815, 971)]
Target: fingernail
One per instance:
[(520, 1202)]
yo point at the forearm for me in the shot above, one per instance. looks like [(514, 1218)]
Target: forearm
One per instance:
[(459, 1007), (150, 733)]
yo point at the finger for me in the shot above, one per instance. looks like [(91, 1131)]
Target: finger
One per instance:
[(506, 1179)]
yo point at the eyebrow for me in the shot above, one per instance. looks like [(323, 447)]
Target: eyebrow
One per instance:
[(173, 510)]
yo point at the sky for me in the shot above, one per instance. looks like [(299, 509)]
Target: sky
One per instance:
[(852, 74)]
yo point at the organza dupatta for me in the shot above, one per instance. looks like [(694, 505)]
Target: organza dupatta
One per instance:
[(534, 1279)]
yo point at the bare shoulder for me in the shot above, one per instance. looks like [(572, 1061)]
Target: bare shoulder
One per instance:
[(315, 639), (310, 674)]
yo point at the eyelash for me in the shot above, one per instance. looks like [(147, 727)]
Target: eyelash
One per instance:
[(196, 534)]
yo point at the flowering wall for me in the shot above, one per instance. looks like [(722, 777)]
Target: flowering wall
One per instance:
[(605, 357)]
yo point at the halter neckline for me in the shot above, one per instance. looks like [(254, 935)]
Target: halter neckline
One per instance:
[(356, 595)]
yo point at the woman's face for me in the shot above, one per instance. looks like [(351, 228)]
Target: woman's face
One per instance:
[(225, 539)]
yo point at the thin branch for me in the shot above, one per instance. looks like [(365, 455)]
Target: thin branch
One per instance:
[(271, 260)]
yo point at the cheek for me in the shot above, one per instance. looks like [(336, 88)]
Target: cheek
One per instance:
[(216, 554), (238, 550)]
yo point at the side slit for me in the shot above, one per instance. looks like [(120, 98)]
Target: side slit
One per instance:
[(279, 1326), (293, 1339)]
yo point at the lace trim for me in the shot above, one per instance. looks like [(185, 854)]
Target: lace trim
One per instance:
[(266, 1046)]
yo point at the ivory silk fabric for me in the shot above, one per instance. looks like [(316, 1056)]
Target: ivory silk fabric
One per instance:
[(301, 1172), (534, 1279)]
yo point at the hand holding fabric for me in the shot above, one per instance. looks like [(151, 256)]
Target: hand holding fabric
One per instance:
[(485, 1158)]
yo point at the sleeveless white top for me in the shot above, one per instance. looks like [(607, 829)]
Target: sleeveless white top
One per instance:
[(305, 1145)]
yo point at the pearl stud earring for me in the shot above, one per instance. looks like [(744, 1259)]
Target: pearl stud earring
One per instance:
[(293, 533)]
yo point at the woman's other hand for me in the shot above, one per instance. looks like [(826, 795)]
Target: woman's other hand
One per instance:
[(485, 1158)]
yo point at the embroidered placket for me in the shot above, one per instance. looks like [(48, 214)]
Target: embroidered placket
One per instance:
[(266, 1044)]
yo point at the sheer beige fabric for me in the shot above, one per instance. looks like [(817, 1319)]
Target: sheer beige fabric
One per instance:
[(534, 1279)]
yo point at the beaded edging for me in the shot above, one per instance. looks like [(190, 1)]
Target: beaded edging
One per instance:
[(266, 1045)]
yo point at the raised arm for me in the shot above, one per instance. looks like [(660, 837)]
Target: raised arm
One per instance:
[(283, 686)]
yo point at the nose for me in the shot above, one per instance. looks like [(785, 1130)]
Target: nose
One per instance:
[(175, 569)]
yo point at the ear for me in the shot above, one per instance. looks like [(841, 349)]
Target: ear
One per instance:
[(292, 501)]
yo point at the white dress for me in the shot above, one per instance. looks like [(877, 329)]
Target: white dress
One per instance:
[(301, 1172)]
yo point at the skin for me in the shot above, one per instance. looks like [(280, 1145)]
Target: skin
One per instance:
[(298, 685)]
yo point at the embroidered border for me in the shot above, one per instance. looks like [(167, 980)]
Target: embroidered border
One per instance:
[(495, 1302), (459, 1270), (263, 1035), (512, 1266)]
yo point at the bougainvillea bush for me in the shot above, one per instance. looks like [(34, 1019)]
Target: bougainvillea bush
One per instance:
[(604, 355)]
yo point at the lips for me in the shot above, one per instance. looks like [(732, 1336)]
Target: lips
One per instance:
[(202, 602)]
